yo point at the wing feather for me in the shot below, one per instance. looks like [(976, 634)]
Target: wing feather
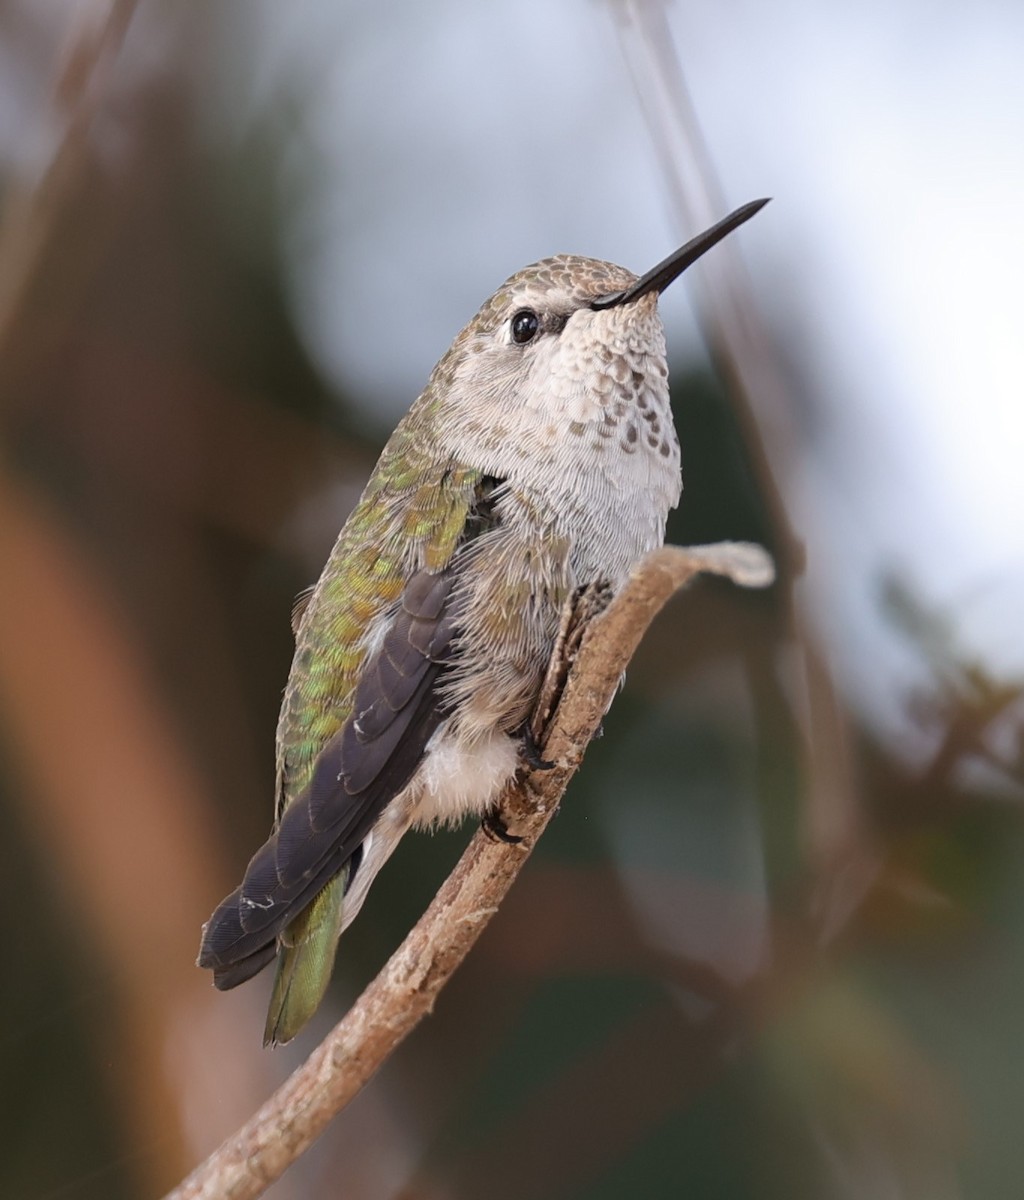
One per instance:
[(397, 704), (373, 756)]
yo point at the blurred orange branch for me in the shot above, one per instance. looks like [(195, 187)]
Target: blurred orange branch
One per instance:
[(109, 785), (108, 792)]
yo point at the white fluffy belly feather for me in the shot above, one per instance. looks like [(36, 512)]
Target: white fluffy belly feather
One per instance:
[(461, 778), (456, 779)]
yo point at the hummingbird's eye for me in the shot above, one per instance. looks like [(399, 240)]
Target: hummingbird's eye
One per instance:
[(524, 326)]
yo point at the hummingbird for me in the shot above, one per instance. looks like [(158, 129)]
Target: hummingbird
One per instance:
[(540, 458)]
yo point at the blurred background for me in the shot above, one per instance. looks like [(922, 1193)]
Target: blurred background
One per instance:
[(773, 945)]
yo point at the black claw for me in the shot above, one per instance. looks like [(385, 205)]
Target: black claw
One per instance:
[(529, 751), (497, 830)]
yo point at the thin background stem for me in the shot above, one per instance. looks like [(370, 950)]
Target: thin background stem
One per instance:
[(744, 352)]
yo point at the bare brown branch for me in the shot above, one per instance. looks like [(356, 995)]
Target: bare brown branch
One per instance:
[(406, 989)]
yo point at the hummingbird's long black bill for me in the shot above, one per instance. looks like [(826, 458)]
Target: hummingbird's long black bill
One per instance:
[(658, 278)]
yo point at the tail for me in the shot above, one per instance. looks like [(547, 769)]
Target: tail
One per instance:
[(243, 934), (305, 960)]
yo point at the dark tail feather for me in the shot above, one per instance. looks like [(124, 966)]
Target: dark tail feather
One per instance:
[(234, 954), (225, 978)]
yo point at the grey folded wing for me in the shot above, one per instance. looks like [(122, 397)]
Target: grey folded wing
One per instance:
[(396, 708)]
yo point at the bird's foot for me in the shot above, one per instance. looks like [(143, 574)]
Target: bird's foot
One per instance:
[(495, 828), (529, 751)]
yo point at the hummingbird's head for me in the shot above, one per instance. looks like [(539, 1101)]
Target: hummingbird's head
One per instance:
[(570, 348), (540, 349)]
